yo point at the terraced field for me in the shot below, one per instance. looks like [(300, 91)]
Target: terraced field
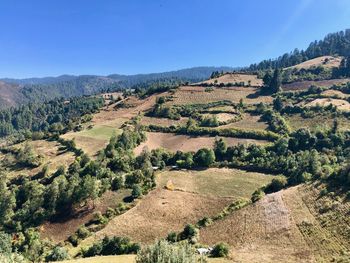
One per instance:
[(248, 122), (185, 143), (236, 78), (198, 95)]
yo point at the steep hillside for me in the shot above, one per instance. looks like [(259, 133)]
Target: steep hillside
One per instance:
[(294, 225)]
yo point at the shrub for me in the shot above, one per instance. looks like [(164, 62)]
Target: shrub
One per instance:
[(220, 250), (204, 157), (257, 195), (83, 232), (112, 246), (57, 254), (190, 233), (136, 191), (164, 252), (172, 237), (276, 184)]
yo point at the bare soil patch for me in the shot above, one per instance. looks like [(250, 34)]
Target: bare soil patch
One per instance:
[(185, 143)]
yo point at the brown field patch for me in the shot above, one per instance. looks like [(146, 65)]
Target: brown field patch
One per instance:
[(340, 104), (60, 231), (225, 116), (325, 61), (198, 95), (162, 121), (335, 93), (52, 154), (185, 143), (248, 122), (262, 232), (236, 78), (304, 85), (161, 212)]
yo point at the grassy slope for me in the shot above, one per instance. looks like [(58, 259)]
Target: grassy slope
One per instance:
[(218, 182)]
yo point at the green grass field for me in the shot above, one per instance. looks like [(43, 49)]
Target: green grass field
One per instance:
[(99, 132), (219, 182)]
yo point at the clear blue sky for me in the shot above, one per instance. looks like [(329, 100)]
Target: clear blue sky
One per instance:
[(53, 37)]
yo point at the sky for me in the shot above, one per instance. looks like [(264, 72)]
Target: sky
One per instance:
[(53, 37)]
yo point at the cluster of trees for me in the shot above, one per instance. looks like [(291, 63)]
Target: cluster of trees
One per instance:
[(209, 121), (147, 89), (54, 116), (30, 201), (332, 44), (164, 111), (344, 68), (272, 82), (276, 122), (112, 246)]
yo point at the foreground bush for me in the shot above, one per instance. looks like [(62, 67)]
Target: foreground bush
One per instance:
[(220, 250), (164, 252), (112, 246)]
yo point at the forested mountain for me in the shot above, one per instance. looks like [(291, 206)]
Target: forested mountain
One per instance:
[(19, 91), (333, 44)]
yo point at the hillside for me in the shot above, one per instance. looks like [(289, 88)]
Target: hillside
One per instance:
[(21, 91), (249, 166)]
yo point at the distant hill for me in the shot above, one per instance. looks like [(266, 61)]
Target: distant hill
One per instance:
[(19, 91)]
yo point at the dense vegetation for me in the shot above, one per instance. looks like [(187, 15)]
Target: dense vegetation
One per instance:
[(332, 44), (38, 119)]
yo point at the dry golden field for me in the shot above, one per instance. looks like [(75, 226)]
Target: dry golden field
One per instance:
[(186, 143)]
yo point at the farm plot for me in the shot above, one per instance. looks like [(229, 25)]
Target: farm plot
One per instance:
[(185, 143), (92, 140), (162, 121), (161, 212), (248, 122), (335, 94), (303, 85), (61, 230), (296, 121), (52, 154), (327, 232), (215, 182), (340, 104), (198, 95), (236, 78), (262, 232), (325, 61)]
